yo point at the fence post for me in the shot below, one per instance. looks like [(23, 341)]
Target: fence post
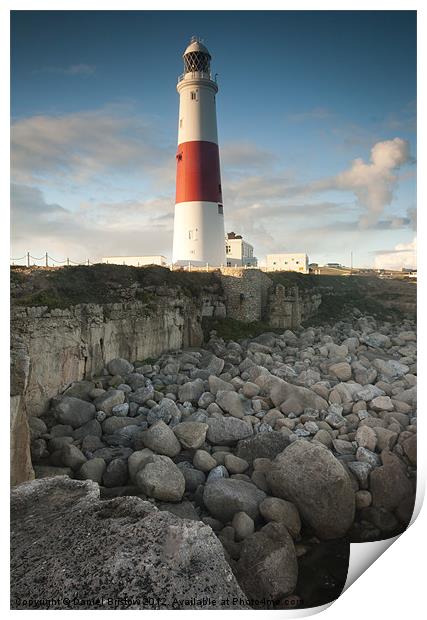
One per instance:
[(28, 259), (47, 260), (88, 262), (68, 262)]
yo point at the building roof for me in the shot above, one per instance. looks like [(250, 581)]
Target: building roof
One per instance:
[(196, 46)]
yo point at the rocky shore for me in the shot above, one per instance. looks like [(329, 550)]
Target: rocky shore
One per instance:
[(278, 446)]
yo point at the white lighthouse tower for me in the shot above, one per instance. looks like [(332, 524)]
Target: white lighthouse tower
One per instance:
[(199, 220)]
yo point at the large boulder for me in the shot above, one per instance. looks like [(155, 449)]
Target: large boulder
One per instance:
[(160, 478), (122, 549), (119, 366), (227, 431), (315, 481), (390, 486), (73, 411), (288, 397), (224, 497)]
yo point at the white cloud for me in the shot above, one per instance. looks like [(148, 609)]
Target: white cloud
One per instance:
[(374, 182), (79, 147), (403, 255)]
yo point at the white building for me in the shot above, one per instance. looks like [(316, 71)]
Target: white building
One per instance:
[(239, 253), (287, 262), (136, 261)]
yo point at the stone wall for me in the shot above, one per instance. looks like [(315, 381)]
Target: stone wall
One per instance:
[(246, 293)]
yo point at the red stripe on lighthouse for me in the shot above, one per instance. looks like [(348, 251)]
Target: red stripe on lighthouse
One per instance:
[(197, 172)]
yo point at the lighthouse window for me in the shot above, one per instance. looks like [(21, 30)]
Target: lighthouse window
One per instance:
[(180, 122), (193, 95), (220, 210)]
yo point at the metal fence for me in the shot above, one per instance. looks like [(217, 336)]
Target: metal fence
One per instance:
[(28, 260)]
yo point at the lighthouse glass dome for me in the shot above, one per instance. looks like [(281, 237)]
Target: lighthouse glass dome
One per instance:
[(197, 58)]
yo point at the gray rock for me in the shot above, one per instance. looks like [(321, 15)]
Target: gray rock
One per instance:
[(155, 550), (193, 477), (191, 435), (161, 439), (120, 410), (72, 457), (39, 450), (37, 427), (135, 381), (225, 497), (231, 402), (368, 392), (72, 411), (137, 460), (267, 567), (217, 473), (288, 397), (116, 473), (216, 385), (119, 366), (243, 525), (341, 370), (191, 391), (234, 464), (107, 401), (277, 509), (166, 410), (316, 482), (80, 389), (367, 456), (204, 461), (264, 445), (142, 395), (366, 437), (90, 443), (160, 478), (113, 424), (227, 431), (92, 470), (361, 472), (92, 427), (390, 486), (205, 400)]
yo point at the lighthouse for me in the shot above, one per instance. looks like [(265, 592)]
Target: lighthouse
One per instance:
[(198, 236)]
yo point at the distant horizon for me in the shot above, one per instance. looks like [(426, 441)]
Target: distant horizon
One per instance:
[(316, 119)]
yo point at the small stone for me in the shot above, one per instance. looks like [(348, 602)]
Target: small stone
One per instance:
[(224, 497), (191, 435), (72, 457), (366, 456), (217, 473), (137, 460), (161, 439), (120, 410), (227, 431), (243, 525), (250, 389), (381, 403), (73, 411), (386, 438), (341, 371), (116, 473), (108, 400), (204, 461), (92, 470), (282, 511), (363, 499), (366, 437), (234, 464)]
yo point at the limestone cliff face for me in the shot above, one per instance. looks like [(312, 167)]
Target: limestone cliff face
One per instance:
[(52, 349)]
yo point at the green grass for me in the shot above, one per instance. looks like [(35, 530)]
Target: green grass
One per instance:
[(232, 329)]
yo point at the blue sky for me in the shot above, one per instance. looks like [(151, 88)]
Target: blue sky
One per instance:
[(316, 119)]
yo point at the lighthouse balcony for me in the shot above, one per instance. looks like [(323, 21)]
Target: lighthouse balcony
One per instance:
[(197, 75)]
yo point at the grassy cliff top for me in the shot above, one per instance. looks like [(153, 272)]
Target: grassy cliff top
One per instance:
[(101, 283)]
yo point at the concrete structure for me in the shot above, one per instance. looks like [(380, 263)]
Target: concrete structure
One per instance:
[(199, 220), (136, 261), (287, 262), (239, 253)]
